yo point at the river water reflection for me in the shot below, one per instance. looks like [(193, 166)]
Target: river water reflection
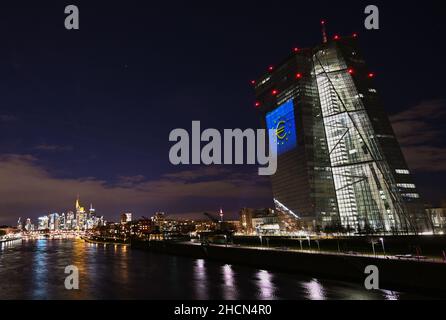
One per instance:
[(35, 270)]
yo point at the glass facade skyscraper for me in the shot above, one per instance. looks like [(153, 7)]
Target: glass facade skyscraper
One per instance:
[(340, 166)]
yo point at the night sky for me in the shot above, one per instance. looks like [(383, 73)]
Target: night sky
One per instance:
[(89, 111)]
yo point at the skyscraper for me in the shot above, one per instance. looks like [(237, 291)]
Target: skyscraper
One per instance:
[(81, 216), (339, 163)]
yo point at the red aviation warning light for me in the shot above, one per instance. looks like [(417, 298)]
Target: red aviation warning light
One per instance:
[(336, 37), (257, 104), (275, 92), (298, 75), (270, 68), (371, 75), (324, 32), (351, 71)]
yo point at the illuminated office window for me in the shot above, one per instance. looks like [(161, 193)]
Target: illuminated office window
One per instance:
[(406, 185)]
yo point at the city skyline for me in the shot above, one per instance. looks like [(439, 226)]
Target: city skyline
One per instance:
[(78, 210), (75, 219), (61, 138)]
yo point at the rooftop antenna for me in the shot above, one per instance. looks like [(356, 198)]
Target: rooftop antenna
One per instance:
[(324, 32)]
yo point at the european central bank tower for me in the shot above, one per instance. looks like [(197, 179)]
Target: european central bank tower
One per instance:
[(340, 166)]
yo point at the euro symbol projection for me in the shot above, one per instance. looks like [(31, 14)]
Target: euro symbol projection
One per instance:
[(280, 130), (281, 121)]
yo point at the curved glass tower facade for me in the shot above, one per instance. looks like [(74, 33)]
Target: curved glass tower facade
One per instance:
[(339, 163)]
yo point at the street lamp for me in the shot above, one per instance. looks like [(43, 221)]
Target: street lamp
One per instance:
[(373, 246), (382, 243)]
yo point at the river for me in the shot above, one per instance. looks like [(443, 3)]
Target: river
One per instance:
[(34, 269)]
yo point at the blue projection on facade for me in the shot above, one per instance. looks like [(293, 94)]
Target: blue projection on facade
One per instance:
[(281, 120)]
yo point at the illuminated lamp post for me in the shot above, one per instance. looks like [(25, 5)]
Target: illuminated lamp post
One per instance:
[(382, 243)]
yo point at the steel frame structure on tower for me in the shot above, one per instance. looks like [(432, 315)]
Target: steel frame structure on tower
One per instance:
[(366, 192)]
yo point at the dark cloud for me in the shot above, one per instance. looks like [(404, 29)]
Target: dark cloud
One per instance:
[(28, 189), (419, 131), (129, 181), (52, 148), (200, 173)]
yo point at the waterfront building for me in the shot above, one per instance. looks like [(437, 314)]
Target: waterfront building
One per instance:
[(266, 222), (144, 227), (234, 225), (438, 218), (339, 163), (206, 226)]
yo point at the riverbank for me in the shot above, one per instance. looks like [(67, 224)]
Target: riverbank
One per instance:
[(105, 241), (393, 273), (10, 239), (428, 246)]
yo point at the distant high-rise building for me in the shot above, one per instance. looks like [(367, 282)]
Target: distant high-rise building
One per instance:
[(126, 217), (43, 223), (70, 221), (54, 222), (28, 225), (339, 163), (62, 221), (81, 216), (92, 211)]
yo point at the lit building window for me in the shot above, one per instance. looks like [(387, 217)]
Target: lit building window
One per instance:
[(411, 195), (406, 185), (402, 171)]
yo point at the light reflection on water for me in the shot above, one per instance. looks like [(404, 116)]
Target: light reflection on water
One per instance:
[(200, 277), (35, 270), (39, 271), (391, 295), (229, 289), (315, 290), (265, 285)]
